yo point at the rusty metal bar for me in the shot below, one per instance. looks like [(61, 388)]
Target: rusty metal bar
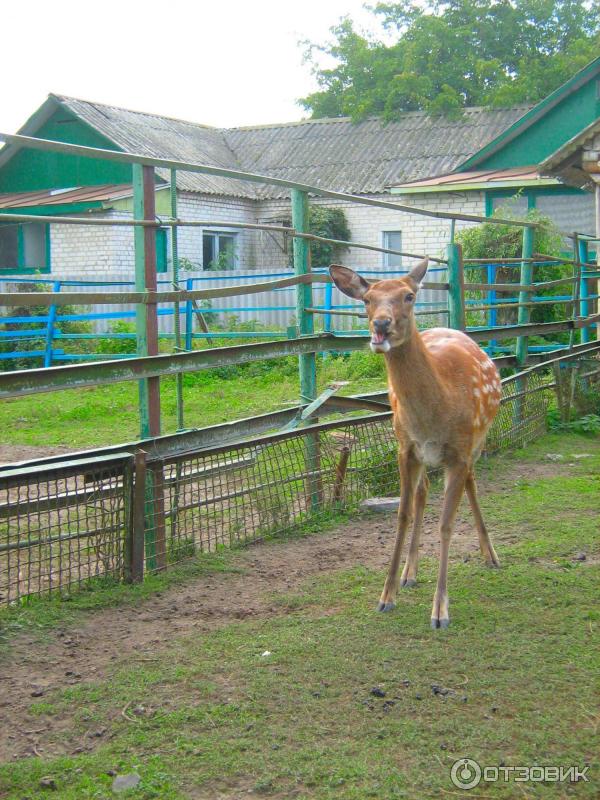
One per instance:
[(52, 379), (517, 287), (341, 312), (134, 560), (117, 298), (532, 304)]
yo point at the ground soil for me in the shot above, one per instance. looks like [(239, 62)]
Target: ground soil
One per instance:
[(24, 452), (89, 651)]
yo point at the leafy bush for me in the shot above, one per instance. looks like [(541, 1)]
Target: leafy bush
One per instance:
[(331, 223), (118, 346), (495, 241)]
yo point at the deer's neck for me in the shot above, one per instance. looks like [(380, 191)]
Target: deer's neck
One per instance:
[(412, 375)]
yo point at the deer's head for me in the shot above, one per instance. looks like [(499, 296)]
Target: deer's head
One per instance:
[(389, 303)]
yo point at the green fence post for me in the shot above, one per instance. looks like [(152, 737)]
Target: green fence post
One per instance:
[(176, 309), (301, 249), (307, 361), (526, 278), (583, 256), (146, 317), (456, 291)]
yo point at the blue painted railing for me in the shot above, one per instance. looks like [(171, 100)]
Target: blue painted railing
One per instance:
[(50, 334)]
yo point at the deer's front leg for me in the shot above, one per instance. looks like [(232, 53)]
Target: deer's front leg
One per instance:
[(410, 474), (456, 477), (409, 573)]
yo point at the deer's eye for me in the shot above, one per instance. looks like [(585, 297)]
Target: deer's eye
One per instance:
[(408, 298), (365, 301)]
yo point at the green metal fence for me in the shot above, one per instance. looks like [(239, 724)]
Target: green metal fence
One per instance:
[(72, 519)]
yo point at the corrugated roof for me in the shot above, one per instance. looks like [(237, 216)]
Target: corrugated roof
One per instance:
[(366, 157), (361, 158), (85, 194), (162, 137)]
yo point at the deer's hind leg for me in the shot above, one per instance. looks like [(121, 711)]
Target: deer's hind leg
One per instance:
[(456, 477), (409, 573), (485, 543), (410, 475)]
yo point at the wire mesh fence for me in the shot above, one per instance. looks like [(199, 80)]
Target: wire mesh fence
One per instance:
[(118, 516), (247, 492), (62, 525)]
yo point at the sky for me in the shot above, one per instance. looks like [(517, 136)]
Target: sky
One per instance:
[(222, 63)]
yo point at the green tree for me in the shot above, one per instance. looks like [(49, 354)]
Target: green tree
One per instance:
[(442, 56)]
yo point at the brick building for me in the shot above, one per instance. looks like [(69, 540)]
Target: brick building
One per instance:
[(471, 164)]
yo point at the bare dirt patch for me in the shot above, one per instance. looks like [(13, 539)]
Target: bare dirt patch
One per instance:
[(10, 453), (89, 651)]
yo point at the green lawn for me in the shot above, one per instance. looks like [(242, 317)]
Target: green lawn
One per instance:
[(520, 662), (109, 415)]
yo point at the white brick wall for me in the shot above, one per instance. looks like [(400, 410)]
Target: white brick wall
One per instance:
[(84, 252), (88, 252), (420, 235)]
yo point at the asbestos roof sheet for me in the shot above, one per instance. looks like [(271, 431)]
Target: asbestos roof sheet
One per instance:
[(163, 137), (360, 158), (370, 156)]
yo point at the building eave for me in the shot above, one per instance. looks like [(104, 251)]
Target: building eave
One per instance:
[(530, 117)]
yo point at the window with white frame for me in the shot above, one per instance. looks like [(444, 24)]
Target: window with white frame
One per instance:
[(392, 240), (219, 250)]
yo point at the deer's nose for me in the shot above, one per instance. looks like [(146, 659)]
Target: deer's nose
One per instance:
[(382, 324)]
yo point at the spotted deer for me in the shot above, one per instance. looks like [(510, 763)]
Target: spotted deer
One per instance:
[(444, 393)]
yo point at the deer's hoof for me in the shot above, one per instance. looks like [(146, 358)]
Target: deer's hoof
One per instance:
[(408, 583), (386, 606), (439, 623), (494, 564)]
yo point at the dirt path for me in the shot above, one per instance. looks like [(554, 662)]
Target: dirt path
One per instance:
[(23, 452), (90, 650)]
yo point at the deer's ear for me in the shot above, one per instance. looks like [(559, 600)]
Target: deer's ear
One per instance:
[(348, 281), (418, 273)]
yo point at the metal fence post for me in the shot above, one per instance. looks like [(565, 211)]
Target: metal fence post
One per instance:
[(328, 305), (583, 256), (491, 298), (147, 345), (176, 309), (50, 329), (307, 361), (145, 280), (526, 277), (134, 541), (456, 291)]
